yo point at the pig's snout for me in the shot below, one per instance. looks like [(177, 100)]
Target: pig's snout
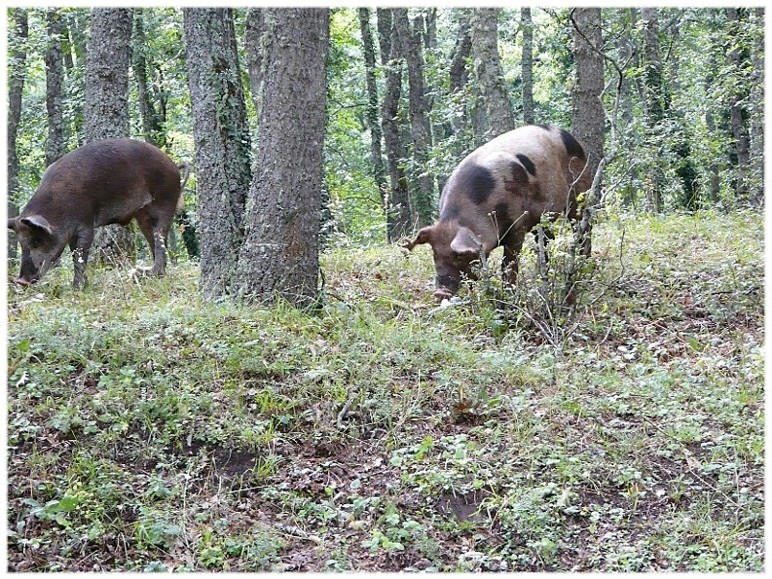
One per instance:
[(23, 281), (446, 286)]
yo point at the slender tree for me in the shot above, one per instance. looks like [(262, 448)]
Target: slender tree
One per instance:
[(371, 112), (106, 107), (526, 23), (428, 20), (409, 38), (738, 95), (222, 143), (398, 216), (757, 108), (56, 142), (280, 254), (713, 165), (655, 108), (489, 74), (17, 60)]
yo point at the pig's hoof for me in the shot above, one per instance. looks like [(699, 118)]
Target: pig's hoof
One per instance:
[(442, 294)]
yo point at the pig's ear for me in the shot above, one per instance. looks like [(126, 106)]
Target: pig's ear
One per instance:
[(424, 236), (466, 242), (37, 222)]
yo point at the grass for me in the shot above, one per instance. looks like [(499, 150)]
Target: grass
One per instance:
[(150, 431)]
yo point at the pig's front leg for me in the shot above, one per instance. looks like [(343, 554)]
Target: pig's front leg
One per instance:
[(80, 245)]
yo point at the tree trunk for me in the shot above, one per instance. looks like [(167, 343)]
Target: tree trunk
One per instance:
[(17, 60), (429, 30), (409, 39), (526, 23), (222, 143), (398, 216), (106, 114), (625, 49), (588, 111), (489, 74), (738, 113), (713, 168), (757, 112), (253, 32), (106, 109), (654, 105), (152, 116), (280, 254), (56, 144), (371, 112)]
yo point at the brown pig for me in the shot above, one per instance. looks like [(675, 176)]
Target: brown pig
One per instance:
[(497, 194), (103, 182)]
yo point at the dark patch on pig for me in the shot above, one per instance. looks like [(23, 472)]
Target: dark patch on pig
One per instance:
[(478, 182), (572, 146), (527, 163)]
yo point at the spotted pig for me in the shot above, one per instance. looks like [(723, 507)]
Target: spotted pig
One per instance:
[(497, 194)]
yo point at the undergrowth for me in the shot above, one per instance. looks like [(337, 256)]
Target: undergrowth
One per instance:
[(148, 430)]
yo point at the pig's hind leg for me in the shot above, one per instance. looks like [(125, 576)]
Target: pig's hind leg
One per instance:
[(156, 230)]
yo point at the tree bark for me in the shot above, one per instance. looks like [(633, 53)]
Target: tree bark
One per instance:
[(489, 74), (371, 112), (106, 108), (409, 38), (17, 60), (526, 23), (280, 254), (398, 218), (588, 111), (222, 143), (56, 143)]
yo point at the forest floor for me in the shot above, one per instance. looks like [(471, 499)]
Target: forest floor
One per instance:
[(150, 431)]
